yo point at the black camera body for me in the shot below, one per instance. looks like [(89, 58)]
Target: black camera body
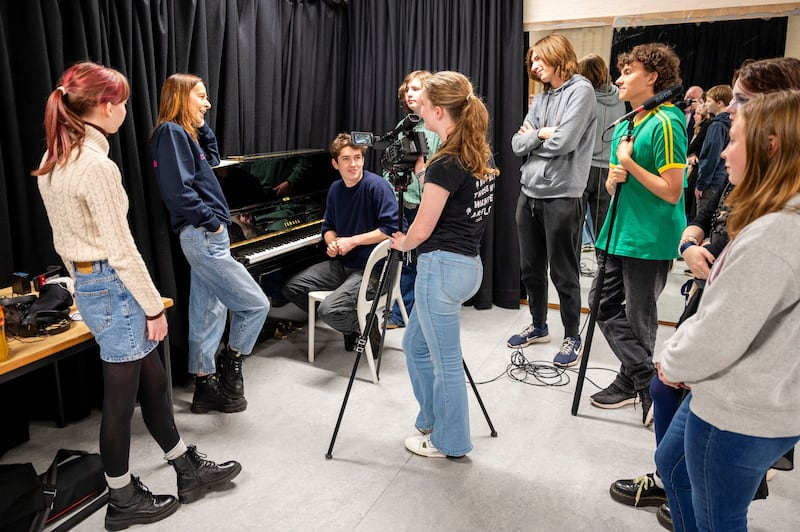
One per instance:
[(683, 105), (401, 149)]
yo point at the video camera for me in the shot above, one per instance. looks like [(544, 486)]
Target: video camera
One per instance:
[(401, 148), (683, 105)]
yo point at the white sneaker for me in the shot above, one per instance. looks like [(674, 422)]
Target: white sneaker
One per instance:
[(422, 446)]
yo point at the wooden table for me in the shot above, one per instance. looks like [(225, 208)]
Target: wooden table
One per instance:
[(29, 354)]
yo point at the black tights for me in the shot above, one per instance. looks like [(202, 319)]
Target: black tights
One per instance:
[(121, 381)]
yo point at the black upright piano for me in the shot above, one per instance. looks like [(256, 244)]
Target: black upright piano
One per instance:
[(277, 201)]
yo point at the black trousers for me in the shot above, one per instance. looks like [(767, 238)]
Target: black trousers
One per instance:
[(550, 235)]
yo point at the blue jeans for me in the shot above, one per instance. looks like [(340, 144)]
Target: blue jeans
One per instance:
[(666, 401), (432, 345), (710, 475), (408, 274), (219, 283), (114, 317)]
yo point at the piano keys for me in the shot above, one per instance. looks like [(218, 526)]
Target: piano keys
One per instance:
[(277, 202)]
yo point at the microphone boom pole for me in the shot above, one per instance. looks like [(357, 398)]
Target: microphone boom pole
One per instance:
[(594, 304)]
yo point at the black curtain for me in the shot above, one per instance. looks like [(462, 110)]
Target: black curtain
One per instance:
[(482, 39), (275, 75), (281, 74), (709, 51)]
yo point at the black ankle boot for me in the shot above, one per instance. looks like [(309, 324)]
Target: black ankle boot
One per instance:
[(196, 475), (135, 505), (229, 369), (209, 394)]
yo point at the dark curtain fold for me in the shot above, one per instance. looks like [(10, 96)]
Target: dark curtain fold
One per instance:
[(709, 51), (482, 39), (274, 72), (281, 74)]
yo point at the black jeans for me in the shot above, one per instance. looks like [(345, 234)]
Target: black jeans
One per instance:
[(628, 317), (550, 234)]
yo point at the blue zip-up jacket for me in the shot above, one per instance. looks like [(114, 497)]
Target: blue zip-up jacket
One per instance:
[(711, 173), (189, 187)]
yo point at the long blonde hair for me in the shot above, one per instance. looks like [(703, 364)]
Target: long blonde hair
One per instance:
[(467, 141), (174, 105), (772, 172)]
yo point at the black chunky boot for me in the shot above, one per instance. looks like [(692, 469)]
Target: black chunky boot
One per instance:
[(229, 369), (209, 394), (136, 505), (196, 475)]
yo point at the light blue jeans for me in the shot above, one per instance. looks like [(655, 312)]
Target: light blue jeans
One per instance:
[(432, 345), (711, 475), (114, 317), (219, 283)]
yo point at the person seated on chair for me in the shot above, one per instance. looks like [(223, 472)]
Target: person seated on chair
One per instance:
[(360, 212)]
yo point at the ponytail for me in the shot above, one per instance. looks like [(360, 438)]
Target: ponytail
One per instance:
[(467, 142), (80, 88)]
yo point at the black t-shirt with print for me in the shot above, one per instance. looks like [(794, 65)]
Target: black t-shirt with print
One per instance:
[(464, 216)]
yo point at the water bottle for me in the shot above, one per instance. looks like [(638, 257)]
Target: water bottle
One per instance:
[(3, 342)]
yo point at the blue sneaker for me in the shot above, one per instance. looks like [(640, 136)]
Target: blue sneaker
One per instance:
[(529, 335), (569, 353)]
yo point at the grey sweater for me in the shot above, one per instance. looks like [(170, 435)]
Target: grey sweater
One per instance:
[(558, 167), (739, 353), (609, 108)]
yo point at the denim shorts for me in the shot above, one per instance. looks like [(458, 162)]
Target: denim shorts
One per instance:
[(114, 317)]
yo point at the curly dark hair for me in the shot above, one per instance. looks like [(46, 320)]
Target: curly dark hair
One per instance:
[(658, 58)]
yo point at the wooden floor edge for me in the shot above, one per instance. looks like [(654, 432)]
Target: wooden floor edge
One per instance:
[(585, 310)]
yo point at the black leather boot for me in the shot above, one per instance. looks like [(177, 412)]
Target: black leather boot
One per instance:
[(136, 505), (209, 394), (196, 475), (229, 370)]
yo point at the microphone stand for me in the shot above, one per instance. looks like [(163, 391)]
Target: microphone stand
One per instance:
[(598, 291)]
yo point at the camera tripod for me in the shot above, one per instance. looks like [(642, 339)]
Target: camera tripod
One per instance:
[(401, 177)]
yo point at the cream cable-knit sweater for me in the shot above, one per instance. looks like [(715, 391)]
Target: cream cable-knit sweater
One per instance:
[(88, 208)]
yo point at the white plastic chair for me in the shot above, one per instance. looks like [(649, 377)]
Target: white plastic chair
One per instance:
[(363, 304)]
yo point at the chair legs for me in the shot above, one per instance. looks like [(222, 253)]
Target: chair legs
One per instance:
[(312, 312)]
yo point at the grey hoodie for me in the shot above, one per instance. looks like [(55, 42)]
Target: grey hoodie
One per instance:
[(738, 353), (558, 167), (609, 108)]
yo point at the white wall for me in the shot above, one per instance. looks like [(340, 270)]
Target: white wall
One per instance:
[(619, 13), (589, 24)]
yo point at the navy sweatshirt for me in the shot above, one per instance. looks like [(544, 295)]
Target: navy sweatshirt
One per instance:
[(188, 185)]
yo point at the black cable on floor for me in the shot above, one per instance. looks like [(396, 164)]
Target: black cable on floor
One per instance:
[(539, 372)]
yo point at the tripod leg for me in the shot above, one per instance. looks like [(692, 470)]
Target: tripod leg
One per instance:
[(329, 454), (480, 401)]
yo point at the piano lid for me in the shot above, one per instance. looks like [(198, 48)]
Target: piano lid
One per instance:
[(275, 192)]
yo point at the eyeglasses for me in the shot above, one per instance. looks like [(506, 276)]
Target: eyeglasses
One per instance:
[(739, 100)]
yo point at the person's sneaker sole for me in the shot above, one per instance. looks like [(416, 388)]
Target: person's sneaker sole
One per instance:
[(626, 402), (648, 418), (238, 405), (538, 340)]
